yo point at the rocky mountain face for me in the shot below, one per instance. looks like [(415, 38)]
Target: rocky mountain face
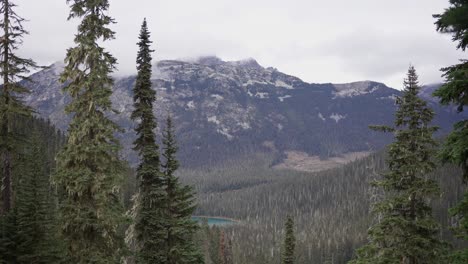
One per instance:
[(227, 109)]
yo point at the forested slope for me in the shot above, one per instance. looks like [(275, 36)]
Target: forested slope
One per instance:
[(331, 208)]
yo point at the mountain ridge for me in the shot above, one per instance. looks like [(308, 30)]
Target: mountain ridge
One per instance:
[(226, 109)]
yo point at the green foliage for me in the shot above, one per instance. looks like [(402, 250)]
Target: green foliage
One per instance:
[(37, 236), (455, 91), (89, 171), (29, 232), (453, 21), (13, 69), (289, 246), (406, 231), (149, 215), (181, 229)]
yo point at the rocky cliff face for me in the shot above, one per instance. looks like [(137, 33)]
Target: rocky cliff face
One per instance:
[(225, 109)]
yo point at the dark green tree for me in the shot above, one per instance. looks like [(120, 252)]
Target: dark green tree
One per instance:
[(181, 229), (13, 69), (31, 231), (455, 91), (37, 238), (150, 213), (289, 245), (89, 171), (406, 231)]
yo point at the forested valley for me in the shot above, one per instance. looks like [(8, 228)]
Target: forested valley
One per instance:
[(71, 197)]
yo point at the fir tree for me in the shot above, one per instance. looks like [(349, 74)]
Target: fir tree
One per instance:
[(406, 231), (89, 171), (181, 229), (150, 213), (455, 91), (31, 226), (13, 69), (289, 246), (37, 238)]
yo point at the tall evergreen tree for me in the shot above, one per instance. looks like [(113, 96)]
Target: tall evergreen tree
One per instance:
[(455, 91), (406, 231), (89, 171), (31, 228), (13, 69), (150, 213), (37, 238), (289, 246), (180, 229)]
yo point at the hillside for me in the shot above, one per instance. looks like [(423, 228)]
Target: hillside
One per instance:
[(331, 208), (225, 110)]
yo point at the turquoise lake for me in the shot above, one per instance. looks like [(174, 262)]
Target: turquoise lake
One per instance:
[(214, 221)]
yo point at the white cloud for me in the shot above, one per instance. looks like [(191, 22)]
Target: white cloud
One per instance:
[(316, 40)]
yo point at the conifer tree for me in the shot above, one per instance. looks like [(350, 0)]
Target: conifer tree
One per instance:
[(150, 210), (289, 246), (455, 91), (13, 69), (37, 238), (406, 231), (89, 171), (181, 229)]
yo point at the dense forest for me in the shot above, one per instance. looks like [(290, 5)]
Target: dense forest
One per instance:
[(69, 197), (332, 209)]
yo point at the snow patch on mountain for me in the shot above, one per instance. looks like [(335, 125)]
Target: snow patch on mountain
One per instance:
[(223, 131), (214, 119), (355, 89), (191, 105), (392, 97), (281, 98), (260, 95), (321, 117), (337, 117), (254, 82), (217, 97), (280, 83)]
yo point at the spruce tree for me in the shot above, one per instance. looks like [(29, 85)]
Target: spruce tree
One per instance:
[(406, 231), (180, 229), (289, 245), (455, 91), (150, 214), (37, 237), (89, 171), (13, 69)]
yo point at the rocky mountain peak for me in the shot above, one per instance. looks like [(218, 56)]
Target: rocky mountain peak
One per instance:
[(228, 108)]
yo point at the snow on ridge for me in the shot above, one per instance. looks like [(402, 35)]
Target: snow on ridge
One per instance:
[(252, 82), (355, 89), (280, 83)]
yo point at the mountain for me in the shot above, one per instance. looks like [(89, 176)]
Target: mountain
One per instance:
[(226, 109)]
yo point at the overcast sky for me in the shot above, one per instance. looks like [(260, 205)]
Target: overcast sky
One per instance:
[(319, 41)]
